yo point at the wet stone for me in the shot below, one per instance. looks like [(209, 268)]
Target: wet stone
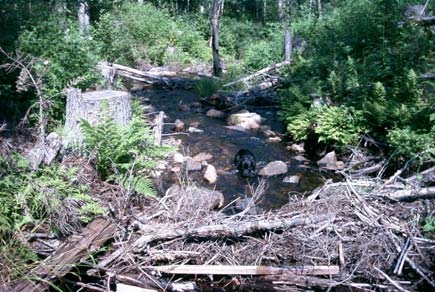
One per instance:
[(274, 168)]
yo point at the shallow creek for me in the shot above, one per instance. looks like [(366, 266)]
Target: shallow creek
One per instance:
[(223, 144)]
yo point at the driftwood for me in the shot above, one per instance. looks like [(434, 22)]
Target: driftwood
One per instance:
[(78, 248), (158, 128), (259, 73), (246, 270)]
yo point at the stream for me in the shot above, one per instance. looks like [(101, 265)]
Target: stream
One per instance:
[(223, 143)]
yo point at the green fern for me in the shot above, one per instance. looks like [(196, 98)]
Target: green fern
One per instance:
[(124, 154)]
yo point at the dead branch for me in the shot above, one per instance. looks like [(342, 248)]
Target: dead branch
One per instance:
[(230, 229), (259, 73), (413, 193), (423, 20), (288, 271)]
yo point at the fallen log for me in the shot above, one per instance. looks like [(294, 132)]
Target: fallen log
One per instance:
[(227, 230), (425, 176), (412, 194), (259, 73), (76, 249), (246, 270), (220, 230), (155, 78)]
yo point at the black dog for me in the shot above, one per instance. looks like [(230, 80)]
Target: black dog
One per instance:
[(245, 163)]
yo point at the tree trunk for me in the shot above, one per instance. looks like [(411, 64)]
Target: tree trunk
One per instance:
[(140, 2), (280, 14), (84, 19), (310, 9), (202, 7), (287, 32), (93, 107), (319, 7), (215, 12), (264, 11)]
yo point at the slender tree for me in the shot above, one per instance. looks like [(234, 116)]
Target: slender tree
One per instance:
[(215, 13), (319, 8), (287, 32), (84, 19)]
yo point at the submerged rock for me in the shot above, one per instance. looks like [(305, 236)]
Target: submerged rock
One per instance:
[(294, 179), (274, 168)]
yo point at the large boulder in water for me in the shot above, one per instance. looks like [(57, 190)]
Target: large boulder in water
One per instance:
[(246, 120)]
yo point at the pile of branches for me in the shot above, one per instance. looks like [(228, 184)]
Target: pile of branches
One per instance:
[(352, 233)]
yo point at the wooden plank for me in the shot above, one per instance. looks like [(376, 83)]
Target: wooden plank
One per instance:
[(246, 270), (75, 249)]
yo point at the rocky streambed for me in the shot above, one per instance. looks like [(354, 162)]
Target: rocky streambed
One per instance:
[(208, 140)]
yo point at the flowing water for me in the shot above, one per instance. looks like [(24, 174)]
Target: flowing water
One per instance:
[(223, 144)]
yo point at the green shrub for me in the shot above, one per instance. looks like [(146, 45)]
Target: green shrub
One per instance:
[(65, 59), (408, 143), (124, 154), (51, 194), (144, 32), (429, 225), (334, 125)]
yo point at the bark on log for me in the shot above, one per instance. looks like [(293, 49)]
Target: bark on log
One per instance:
[(259, 73), (94, 107), (246, 270), (76, 249)]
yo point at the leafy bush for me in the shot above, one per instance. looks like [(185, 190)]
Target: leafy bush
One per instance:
[(334, 125), (51, 194), (67, 58), (144, 32), (124, 154), (408, 143), (359, 57)]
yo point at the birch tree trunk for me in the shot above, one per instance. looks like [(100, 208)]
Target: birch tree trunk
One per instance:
[(84, 19), (202, 7), (264, 11), (140, 2), (287, 32), (319, 7), (280, 14), (310, 10), (215, 13)]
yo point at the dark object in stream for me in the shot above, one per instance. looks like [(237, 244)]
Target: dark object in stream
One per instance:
[(245, 163)]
